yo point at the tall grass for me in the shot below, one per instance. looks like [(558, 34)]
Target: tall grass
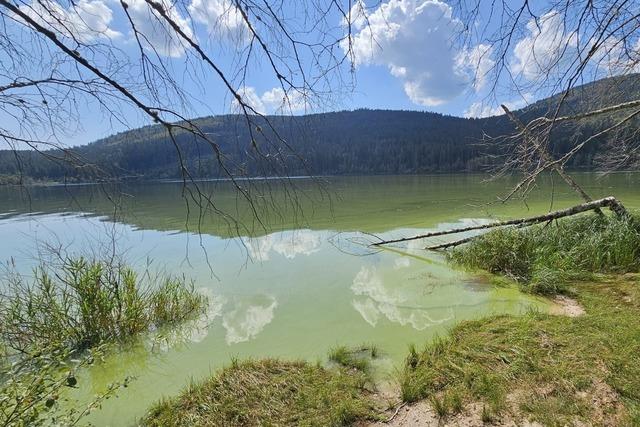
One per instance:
[(543, 258), (84, 303), (63, 318)]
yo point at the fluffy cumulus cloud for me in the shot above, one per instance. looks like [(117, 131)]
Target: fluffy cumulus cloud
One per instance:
[(547, 46), (376, 299), (221, 17), (159, 36), (413, 38), (85, 21), (273, 101)]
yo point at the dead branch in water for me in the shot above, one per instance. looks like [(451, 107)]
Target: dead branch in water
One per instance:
[(608, 202)]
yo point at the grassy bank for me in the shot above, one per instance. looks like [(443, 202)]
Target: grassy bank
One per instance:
[(538, 367), (550, 369), (270, 392), (544, 258)]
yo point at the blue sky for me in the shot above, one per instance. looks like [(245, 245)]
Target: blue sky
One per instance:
[(413, 65)]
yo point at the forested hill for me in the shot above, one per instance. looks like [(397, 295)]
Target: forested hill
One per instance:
[(345, 142)]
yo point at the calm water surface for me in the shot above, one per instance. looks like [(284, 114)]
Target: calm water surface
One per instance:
[(293, 284)]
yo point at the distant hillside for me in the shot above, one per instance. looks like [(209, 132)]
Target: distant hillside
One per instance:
[(337, 143)]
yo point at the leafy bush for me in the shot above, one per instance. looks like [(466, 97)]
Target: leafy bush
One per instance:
[(33, 385), (544, 257)]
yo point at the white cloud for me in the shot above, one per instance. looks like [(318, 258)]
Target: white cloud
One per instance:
[(614, 57), (477, 62), (158, 34), (251, 98), (357, 15), (368, 310), (273, 101), (414, 39), (280, 102), (482, 109), (85, 21), (546, 47), (222, 18), (549, 49)]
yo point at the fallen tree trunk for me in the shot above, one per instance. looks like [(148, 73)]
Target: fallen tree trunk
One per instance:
[(608, 202)]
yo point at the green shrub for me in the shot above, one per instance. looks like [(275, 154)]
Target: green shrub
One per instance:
[(62, 319), (33, 385)]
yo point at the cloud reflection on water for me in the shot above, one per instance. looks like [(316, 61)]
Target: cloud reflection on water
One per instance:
[(288, 244), (248, 318), (375, 300)]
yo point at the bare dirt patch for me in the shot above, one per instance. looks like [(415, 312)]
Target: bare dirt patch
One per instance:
[(421, 414), (608, 411), (565, 306)]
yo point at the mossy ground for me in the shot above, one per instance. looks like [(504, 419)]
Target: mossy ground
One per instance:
[(270, 393), (538, 367)]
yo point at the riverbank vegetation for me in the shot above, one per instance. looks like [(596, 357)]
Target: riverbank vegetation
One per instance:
[(544, 258), (63, 318), (540, 367), (83, 303), (270, 392)]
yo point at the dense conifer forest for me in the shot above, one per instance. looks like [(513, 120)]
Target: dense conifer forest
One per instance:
[(336, 143)]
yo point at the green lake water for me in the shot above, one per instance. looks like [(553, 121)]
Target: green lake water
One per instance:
[(292, 284)]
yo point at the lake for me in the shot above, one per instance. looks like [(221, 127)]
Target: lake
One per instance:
[(295, 276)]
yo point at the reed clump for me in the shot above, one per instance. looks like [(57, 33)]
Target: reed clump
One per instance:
[(63, 319), (83, 303), (544, 258), (358, 358)]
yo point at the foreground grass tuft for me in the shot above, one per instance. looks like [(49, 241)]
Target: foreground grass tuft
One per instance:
[(269, 392), (545, 258), (550, 369), (358, 358)]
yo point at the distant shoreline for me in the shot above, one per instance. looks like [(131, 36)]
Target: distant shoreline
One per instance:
[(143, 180)]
